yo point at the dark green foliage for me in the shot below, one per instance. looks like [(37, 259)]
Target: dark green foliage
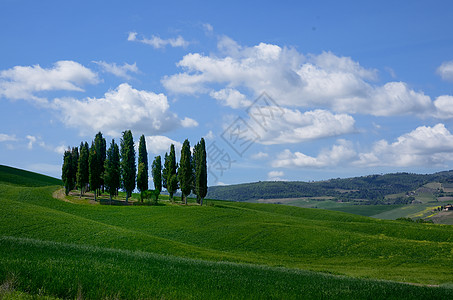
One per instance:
[(25, 178), (185, 171), (373, 187), (112, 175), (142, 178), (83, 173), (100, 147), (95, 170), (200, 186), (170, 175), (74, 165), (157, 174), (150, 194), (128, 165), (142, 183), (66, 175)]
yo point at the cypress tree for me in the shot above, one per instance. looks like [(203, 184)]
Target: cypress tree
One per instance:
[(75, 162), (128, 165), (112, 173), (157, 175), (142, 176), (142, 179), (185, 172), (200, 187), (66, 175), (170, 172), (100, 147), (95, 170), (82, 168)]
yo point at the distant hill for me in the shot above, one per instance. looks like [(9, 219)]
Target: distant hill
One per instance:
[(372, 187), (26, 178)]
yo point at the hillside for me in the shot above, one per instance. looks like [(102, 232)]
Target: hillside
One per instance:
[(221, 251), (25, 178), (372, 187)]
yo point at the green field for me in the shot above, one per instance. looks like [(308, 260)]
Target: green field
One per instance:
[(225, 250)]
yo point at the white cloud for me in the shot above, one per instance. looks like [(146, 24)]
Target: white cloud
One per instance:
[(188, 122), (445, 70), (7, 137), (159, 144), (424, 146), (209, 136), (120, 71), (22, 82), (293, 79), (340, 153), (259, 155), (275, 176), (231, 97), (60, 149), (293, 126), (208, 29), (31, 140), (444, 107), (120, 109), (157, 42)]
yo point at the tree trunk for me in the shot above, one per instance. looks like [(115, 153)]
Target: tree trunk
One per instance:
[(201, 201)]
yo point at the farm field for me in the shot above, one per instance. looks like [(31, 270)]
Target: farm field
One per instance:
[(224, 250)]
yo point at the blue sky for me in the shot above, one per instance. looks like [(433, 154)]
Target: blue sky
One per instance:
[(293, 90)]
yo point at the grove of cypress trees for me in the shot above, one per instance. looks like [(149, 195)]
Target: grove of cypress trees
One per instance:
[(128, 165)]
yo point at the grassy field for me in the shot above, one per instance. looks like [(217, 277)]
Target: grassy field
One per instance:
[(225, 250)]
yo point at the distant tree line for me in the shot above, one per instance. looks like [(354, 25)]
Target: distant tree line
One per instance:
[(372, 188), (97, 169)]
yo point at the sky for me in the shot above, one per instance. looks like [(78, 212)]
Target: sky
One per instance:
[(279, 90)]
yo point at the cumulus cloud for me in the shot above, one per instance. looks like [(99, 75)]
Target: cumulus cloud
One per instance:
[(24, 82), (294, 79), (120, 71), (209, 136), (124, 107), (445, 70), (293, 126), (7, 137), (259, 155), (231, 97), (424, 146), (444, 107), (275, 176), (208, 28), (340, 153), (158, 144), (157, 42)]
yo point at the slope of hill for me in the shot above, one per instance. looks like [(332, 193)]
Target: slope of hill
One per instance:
[(372, 187), (226, 250), (26, 178)]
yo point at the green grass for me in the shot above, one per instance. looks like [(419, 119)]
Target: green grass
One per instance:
[(366, 210), (225, 250), (69, 270), (409, 211), (25, 178)]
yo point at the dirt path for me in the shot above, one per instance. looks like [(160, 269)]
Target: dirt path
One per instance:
[(60, 195)]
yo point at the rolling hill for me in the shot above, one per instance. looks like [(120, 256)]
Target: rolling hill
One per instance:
[(224, 250), (372, 187)]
